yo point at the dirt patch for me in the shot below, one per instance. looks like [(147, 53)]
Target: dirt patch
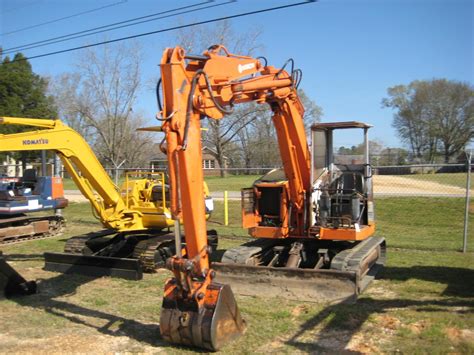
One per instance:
[(377, 290), (388, 323), (457, 335), (389, 184), (75, 197), (418, 327), (300, 309), (70, 343)]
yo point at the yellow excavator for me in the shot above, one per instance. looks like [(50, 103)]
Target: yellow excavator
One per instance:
[(136, 218)]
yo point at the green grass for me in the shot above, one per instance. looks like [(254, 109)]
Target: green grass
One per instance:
[(215, 183), (231, 182), (428, 223), (422, 303)]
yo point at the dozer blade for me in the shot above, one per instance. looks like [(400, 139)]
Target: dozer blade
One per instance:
[(291, 283), (210, 326), (125, 268), (12, 283)]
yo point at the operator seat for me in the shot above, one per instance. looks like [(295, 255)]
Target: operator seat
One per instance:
[(29, 178)]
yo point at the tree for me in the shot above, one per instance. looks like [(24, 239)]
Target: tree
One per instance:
[(376, 148), (23, 94), (97, 100), (433, 116), (262, 137)]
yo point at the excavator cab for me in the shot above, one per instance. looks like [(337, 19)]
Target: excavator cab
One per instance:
[(327, 253), (342, 198)]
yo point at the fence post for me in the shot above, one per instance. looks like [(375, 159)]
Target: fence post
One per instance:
[(466, 211), (226, 210)]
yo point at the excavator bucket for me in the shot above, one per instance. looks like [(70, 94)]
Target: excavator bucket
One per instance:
[(12, 283), (211, 325)]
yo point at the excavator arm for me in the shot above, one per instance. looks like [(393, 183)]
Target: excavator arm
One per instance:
[(196, 310), (80, 162)]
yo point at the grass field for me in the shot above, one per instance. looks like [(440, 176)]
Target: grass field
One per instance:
[(215, 183), (423, 301)]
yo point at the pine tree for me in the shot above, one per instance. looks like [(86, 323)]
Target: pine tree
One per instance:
[(23, 94)]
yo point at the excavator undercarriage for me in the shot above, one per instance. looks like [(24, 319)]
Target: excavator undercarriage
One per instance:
[(126, 254), (307, 270)]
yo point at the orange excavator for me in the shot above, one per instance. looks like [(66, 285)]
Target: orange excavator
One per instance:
[(313, 222)]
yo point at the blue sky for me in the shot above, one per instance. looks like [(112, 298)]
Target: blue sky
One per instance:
[(350, 51)]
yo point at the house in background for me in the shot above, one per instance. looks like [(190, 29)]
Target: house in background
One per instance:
[(210, 164)]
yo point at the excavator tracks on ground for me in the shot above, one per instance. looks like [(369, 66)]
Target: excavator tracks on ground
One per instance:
[(245, 254), (78, 244), (23, 228), (365, 259), (153, 252)]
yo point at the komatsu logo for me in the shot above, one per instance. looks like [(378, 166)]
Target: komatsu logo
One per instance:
[(241, 67), (35, 141)]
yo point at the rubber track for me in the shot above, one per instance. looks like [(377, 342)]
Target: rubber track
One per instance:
[(350, 259), (242, 253), (77, 244), (146, 252)]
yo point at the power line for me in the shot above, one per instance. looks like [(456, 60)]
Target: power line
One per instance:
[(63, 18), (168, 29), (103, 28)]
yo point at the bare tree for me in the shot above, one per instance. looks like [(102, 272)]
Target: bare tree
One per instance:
[(258, 141), (98, 99), (221, 133), (64, 90)]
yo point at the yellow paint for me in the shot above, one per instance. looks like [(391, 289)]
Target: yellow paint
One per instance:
[(133, 207)]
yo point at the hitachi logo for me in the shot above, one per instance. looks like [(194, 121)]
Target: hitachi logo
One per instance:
[(248, 66), (35, 141)]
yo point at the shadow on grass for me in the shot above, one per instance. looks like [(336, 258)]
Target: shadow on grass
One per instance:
[(459, 281), (63, 284), (332, 329)]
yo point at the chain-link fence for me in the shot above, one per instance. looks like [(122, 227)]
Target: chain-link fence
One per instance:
[(426, 204)]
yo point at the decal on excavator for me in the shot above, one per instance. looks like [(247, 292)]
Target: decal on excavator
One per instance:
[(243, 67), (35, 141)]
